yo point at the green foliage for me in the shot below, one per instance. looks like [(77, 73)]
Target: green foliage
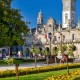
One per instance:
[(26, 71), (11, 25), (55, 50), (35, 50), (77, 77), (10, 61), (64, 48), (13, 52), (45, 52), (40, 76), (70, 49)]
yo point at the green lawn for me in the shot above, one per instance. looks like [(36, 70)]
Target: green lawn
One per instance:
[(77, 77), (40, 76)]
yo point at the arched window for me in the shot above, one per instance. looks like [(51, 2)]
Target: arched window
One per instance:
[(49, 25), (66, 18), (73, 18)]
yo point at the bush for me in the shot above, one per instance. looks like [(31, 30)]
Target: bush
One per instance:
[(26, 71), (71, 76), (76, 78)]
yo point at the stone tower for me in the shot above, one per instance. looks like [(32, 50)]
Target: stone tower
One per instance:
[(40, 18), (69, 13), (40, 22)]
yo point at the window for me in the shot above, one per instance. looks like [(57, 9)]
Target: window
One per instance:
[(49, 25), (63, 37), (73, 36), (66, 18), (73, 18), (55, 38)]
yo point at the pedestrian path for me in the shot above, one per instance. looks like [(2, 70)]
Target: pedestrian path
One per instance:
[(30, 65), (26, 65)]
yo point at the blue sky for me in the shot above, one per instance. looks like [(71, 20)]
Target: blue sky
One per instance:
[(50, 8)]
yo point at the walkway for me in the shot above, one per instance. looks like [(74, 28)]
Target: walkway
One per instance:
[(30, 65), (26, 65)]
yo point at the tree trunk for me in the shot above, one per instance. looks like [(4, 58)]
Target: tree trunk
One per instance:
[(35, 61), (73, 58), (55, 60), (47, 60), (67, 66), (16, 68)]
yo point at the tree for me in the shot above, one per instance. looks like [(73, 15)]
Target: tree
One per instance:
[(11, 25), (55, 52), (64, 48), (35, 51), (45, 52), (71, 49)]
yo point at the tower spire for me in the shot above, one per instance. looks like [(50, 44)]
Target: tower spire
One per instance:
[(40, 18)]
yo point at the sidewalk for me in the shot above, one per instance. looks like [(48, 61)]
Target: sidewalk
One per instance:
[(30, 65), (25, 65)]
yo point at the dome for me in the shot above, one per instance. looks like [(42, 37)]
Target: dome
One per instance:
[(51, 20)]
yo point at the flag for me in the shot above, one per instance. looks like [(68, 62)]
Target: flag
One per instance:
[(45, 36), (48, 35)]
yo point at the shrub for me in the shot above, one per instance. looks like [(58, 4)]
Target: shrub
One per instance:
[(66, 76), (26, 71)]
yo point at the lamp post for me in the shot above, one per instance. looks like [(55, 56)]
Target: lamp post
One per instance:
[(61, 42), (50, 37), (69, 25)]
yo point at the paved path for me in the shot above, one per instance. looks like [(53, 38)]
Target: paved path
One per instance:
[(29, 65), (26, 65)]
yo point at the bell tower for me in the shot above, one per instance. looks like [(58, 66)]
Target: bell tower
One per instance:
[(69, 13), (40, 18), (40, 22)]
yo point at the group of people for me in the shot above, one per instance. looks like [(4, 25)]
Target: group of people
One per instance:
[(64, 58)]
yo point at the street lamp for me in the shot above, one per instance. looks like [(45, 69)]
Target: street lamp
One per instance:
[(50, 37), (60, 38)]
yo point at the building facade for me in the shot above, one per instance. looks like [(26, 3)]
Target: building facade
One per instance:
[(50, 35)]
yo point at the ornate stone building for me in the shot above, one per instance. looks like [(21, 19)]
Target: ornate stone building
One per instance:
[(66, 33)]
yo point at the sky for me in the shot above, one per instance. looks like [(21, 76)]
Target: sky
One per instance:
[(29, 9)]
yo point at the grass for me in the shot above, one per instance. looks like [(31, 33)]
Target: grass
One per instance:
[(77, 77), (40, 76)]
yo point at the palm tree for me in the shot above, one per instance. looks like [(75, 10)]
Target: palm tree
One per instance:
[(71, 49), (35, 51), (64, 50), (55, 52), (45, 52)]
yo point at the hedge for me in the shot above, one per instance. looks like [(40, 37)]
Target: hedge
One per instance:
[(26, 71), (71, 76)]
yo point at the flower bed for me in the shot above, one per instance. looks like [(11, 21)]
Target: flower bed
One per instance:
[(76, 78), (25, 71), (66, 76)]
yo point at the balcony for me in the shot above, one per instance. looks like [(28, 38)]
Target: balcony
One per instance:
[(67, 41)]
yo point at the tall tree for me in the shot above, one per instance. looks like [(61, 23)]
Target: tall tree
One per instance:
[(11, 25)]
